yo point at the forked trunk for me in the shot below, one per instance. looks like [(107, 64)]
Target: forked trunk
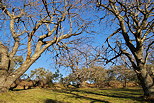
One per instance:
[(15, 84), (5, 83), (147, 83)]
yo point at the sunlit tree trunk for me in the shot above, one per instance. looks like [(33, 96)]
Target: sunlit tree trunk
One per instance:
[(4, 65), (125, 82), (146, 81)]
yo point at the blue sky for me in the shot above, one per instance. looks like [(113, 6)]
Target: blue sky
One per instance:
[(102, 30), (46, 59)]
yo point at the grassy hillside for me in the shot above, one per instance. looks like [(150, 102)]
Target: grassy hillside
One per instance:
[(84, 95)]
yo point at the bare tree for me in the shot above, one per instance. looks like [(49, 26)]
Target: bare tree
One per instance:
[(95, 74), (75, 58), (124, 74), (30, 28), (80, 56), (42, 77), (133, 35)]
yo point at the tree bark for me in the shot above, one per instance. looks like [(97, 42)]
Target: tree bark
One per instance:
[(5, 83), (4, 68), (146, 81), (7, 79)]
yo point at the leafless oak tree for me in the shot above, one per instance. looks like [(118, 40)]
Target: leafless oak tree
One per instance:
[(31, 27), (133, 35)]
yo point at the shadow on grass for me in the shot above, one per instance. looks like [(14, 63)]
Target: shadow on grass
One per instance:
[(124, 94), (52, 101), (93, 100), (127, 89), (117, 94), (20, 89)]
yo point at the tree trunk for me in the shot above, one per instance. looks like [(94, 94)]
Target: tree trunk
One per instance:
[(7, 79), (15, 84), (5, 83), (125, 82), (146, 81)]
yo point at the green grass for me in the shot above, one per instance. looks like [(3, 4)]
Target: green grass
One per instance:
[(82, 95)]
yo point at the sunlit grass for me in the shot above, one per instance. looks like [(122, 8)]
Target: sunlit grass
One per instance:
[(82, 95)]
